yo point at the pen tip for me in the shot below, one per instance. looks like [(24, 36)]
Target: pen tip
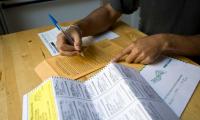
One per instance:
[(82, 54)]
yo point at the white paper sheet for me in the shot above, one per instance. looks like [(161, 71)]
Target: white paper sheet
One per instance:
[(116, 93), (49, 39), (25, 108), (174, 80)]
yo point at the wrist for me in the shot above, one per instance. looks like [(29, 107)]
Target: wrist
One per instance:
[(166, 42)]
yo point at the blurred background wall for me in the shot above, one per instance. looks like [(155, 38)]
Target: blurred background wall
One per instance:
[(17, 15)]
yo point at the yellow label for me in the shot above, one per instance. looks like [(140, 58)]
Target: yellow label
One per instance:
[(41, 103)]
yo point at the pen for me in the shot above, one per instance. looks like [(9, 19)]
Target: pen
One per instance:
[(67, 36), (54, 46)]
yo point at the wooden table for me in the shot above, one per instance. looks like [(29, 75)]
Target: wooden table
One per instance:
[(21, 52)]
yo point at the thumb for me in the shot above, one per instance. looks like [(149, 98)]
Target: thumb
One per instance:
[(77, 42)]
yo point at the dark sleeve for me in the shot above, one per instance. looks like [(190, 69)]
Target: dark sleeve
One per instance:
[(124, 6)]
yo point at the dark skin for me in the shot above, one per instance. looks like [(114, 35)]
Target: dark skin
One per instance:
[(144, 50)]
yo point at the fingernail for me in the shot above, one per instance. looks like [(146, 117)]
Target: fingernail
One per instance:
[(114, 60), (77, 48)]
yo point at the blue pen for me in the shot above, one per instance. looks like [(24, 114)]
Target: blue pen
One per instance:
[(67, 36)]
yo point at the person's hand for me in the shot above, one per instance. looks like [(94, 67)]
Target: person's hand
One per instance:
[(144, 50), (63, 45)]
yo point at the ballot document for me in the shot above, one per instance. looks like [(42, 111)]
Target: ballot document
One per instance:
[(115, 93), (174, 81), (49, 39)]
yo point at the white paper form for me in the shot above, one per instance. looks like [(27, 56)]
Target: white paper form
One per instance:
[(71, 99), (174, 80), (116, 93), (49, 39), (25, 108)]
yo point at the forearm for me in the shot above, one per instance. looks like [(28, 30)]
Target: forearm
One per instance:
[(182, 45), (98, 21)]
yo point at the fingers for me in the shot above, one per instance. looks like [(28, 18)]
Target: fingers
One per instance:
[(123, 53), (132, 56), (76, 38), (147, 60), (67, 49), (140, 58), (77, 43), (135, 55)]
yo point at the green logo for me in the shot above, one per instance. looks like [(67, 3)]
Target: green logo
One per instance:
[(158, 75)]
